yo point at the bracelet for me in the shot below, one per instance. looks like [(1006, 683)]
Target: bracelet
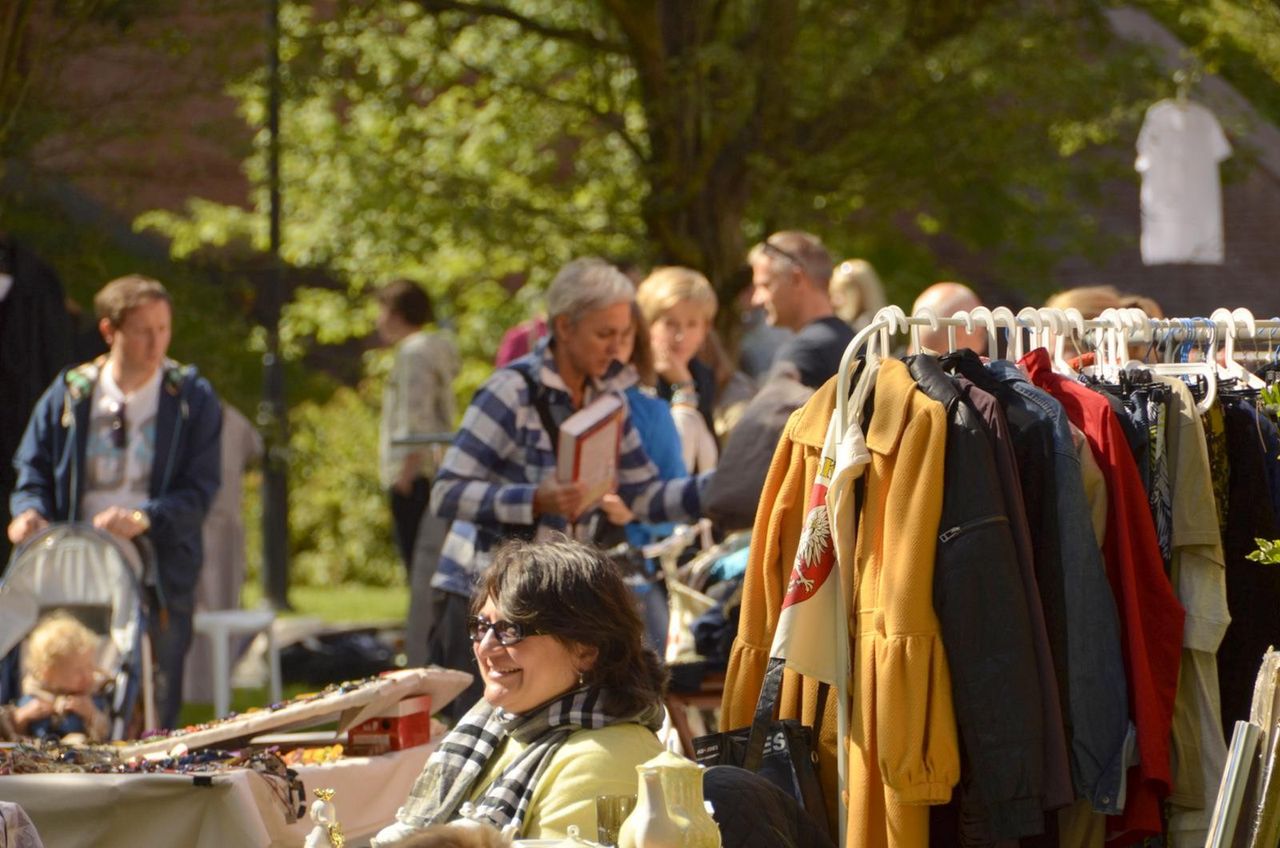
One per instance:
[(684, 397)]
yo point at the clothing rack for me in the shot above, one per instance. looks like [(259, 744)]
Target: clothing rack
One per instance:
[(1112, 328)]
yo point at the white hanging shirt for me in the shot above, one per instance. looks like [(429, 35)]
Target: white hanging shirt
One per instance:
[(1179, 148)]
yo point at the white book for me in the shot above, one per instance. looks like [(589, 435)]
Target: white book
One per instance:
[(588, 448)]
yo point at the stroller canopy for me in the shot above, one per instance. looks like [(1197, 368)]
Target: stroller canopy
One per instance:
[(78, 568)]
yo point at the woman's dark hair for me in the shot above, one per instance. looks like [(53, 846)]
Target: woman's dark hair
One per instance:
[(408, 300), (575, 593)]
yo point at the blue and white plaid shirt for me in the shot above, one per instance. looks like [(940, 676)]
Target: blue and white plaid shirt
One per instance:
[(502, 452)]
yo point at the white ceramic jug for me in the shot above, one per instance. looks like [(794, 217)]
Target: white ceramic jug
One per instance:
[(650, 824)]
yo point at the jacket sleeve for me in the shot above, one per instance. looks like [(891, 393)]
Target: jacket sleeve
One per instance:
[(180, 510), (650, 497), (774, 540), (773, 543), (482, 452), (981, 602), (919, 755), (36, 457)]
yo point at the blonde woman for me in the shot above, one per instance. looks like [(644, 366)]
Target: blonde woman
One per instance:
[(856, 292), (678, 304)]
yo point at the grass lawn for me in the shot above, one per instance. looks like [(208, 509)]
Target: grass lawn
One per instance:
[(340, 604)]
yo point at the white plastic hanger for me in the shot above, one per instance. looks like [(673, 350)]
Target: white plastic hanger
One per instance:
[(1105, 330), (1240, 323), (895, 322), (1004, 317), (983, 314), (928, 315), (1073, 321), (1137, 329), (879, 330), (1029, 315)]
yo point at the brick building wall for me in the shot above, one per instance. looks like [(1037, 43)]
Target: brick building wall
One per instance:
[(1248, 277)]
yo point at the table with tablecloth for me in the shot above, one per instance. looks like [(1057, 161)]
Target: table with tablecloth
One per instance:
[(238, 807)]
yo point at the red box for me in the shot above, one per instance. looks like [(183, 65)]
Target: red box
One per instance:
[(405, 725)]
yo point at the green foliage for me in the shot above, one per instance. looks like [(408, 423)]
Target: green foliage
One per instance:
[(477, 146), (208, 328), (339, 522), (1239, 39), (478, 152), (1267, 552), (978, 143), (406, 155)]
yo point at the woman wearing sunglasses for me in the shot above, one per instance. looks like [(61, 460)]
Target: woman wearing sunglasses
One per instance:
[(571, 699)]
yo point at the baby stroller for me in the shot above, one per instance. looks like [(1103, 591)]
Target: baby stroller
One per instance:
[(98, 579)]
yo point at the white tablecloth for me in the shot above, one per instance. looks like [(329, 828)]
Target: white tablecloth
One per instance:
[(238, 809)]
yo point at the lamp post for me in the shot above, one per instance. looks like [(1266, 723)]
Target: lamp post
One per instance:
[(274, 413)]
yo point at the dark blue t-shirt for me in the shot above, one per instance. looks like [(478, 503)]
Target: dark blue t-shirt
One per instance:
[(816, 350)]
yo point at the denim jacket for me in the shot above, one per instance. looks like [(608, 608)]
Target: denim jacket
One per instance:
[(1097, 710)]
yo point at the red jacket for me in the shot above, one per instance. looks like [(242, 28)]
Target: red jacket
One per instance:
[(1150, 615)]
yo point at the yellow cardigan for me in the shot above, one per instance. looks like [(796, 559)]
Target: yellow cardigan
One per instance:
[(902, 723)]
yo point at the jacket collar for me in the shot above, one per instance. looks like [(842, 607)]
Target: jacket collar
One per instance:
[(933, 381), (894, 390), (1036, 362), (81, 379), (811, 420)]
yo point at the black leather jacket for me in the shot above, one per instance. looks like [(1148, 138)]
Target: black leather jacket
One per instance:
[(986, 632)]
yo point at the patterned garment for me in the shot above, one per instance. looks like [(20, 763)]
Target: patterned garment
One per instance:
[(502, 452), (1215, 434), (450, 774), (1148, 406), (1161, 493)]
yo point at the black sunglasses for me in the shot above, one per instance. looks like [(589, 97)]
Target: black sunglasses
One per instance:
[(119, 428), (770, 247), (508, 632)]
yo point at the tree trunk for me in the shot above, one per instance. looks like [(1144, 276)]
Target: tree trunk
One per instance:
[(706, 119)]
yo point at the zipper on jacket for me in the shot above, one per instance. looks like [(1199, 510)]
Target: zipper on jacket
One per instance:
[(948, 535), (75, 469)]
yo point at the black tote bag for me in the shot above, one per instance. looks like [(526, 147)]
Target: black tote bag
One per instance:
[(783, 751)]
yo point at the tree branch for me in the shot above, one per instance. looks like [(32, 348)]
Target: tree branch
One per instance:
[(581, 37), (612, 121)]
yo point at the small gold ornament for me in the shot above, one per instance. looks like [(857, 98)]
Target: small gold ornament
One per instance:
[(325, 815)]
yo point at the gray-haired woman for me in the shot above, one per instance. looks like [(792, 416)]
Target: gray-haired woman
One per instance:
[(498, 479)]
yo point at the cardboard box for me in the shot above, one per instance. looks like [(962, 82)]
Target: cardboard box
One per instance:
[(404, 725)]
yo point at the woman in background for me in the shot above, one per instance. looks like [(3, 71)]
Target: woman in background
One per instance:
[(856, 292), (678, 304)]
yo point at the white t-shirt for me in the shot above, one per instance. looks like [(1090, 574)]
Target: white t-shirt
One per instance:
[(118, 471), (1179, 148)]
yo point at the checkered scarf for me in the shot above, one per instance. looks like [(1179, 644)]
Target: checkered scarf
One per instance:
[(449, 775)]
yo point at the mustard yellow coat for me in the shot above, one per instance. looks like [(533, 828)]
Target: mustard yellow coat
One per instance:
[(905, 753)]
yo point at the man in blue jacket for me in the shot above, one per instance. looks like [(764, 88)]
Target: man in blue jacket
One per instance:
[(130, 443)]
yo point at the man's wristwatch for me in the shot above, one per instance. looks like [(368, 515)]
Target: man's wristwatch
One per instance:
[(140, 517)]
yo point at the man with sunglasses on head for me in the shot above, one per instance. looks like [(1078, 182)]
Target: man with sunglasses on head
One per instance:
[(130, 443), (790, 272)]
